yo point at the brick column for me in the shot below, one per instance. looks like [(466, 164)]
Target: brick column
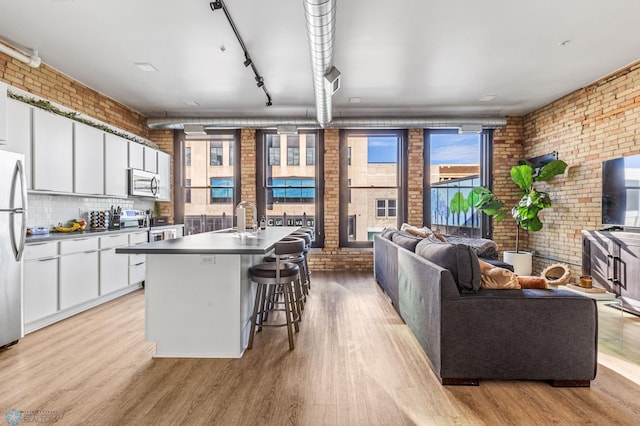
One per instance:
[(507, 151), (331, 189), (415, 180), (164, 140), (248, 168)]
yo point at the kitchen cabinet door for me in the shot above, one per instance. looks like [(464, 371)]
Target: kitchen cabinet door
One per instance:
[(52, 152), (79, 278), (136, 155), (164, 170), (150, 159), (88, 143), (40, 297), (114, 271), (116, 178), (19, 133)]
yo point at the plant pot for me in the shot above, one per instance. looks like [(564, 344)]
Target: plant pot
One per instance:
[(521, 261)]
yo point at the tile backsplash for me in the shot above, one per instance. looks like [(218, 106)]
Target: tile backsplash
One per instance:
[(47, 210)]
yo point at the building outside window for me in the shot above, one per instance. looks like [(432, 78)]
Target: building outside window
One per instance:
[(187, 190), (210, 183), (456, 163), (386, 208), (372, 193), (293, 150), (291, 194), (215, 153)]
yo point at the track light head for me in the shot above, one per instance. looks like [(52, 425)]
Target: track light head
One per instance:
[(269, 103), (216, 5), (247, 62), (260, 81)]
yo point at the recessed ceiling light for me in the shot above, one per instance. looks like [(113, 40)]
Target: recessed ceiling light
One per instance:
[(145, 66), (355, 100), (487, 98), (222, 48)]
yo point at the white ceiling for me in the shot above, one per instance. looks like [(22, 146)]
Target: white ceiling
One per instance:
[(403, 58)]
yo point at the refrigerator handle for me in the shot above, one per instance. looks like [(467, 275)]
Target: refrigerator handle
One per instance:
[(18, 173)]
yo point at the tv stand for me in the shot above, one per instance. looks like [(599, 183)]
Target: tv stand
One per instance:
[(613, 261)]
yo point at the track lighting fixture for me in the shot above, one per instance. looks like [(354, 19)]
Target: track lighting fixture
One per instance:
[(247, 59)]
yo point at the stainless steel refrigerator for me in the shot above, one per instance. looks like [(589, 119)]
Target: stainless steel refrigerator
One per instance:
[(13, 223)]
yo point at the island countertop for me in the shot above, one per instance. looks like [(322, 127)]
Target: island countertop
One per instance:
[(215, 243)]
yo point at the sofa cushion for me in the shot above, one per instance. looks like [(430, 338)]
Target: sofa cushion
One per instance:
[(388, 233), (460, 259), (406, 240)]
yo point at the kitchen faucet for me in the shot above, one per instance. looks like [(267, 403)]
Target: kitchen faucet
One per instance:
[(242, 217)]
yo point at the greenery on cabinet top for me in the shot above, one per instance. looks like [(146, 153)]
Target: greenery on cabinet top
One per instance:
[(48, 106)]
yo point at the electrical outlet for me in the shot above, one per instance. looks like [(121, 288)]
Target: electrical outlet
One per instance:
[(208, 260)]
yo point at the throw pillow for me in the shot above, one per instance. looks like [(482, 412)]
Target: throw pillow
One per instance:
[(497, 278), (423, 232), (405, 240), (388, 233), (459, 259), (532, 282)]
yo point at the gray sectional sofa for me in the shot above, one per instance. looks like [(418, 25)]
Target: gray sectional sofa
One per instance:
[(469, 333)]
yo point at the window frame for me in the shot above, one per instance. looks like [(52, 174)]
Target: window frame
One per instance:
[(345, 188), (263, 160), (486, 175)]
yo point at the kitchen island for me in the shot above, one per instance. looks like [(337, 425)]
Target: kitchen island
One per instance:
[(198, 293)]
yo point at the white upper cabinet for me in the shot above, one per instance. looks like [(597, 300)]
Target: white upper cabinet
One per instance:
[(136, 155), (88, 143), (116, 178), (150, 159), (164, 170), (3, 113), (52, 152), (19, 133)]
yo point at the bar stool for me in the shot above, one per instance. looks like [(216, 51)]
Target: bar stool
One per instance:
[(298, 259), (274, 279), (307, 238)]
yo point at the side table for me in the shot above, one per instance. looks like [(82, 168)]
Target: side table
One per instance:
[(606, 298)]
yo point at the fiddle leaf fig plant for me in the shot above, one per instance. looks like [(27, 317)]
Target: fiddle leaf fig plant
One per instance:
[(531, 202)]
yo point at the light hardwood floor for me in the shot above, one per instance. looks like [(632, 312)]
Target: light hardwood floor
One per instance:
[(355, 363)]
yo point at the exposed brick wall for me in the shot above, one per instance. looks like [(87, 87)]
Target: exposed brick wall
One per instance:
[(596, 123), (248, 168), (415, 181), (507, 151), (164, 140), (56, 87)]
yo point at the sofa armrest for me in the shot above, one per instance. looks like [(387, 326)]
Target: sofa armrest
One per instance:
[(385, 266), (519, 334)]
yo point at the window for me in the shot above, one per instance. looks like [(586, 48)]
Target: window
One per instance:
[(456, 163), (386, 208), (372, 192), (273, 146), (206, 198), (311, 152), (187, 190), (222, 190), (293, 150), (291, 196), (215, 154)]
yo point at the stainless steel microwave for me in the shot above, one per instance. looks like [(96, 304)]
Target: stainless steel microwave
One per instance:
[(143, 184)]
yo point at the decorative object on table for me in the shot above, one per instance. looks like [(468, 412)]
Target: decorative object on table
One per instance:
[(596, 290), (98, 220), (525, 211), (556, 274), (71, 226), (586, 281)]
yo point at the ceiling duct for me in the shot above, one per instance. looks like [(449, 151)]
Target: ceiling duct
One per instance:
[(321, 17), (341, 123), (32, 60)]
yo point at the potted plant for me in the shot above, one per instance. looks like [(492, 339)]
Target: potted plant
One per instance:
[(526, 210)]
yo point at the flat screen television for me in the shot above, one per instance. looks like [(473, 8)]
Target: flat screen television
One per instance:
[(621, 192)]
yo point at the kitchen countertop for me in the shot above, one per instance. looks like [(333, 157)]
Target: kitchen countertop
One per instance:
[(215, 243), (56, 236)]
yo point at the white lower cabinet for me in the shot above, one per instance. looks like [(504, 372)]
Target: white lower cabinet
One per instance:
[(114, 268), (78, 278), (40, 285), (65, 277)]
